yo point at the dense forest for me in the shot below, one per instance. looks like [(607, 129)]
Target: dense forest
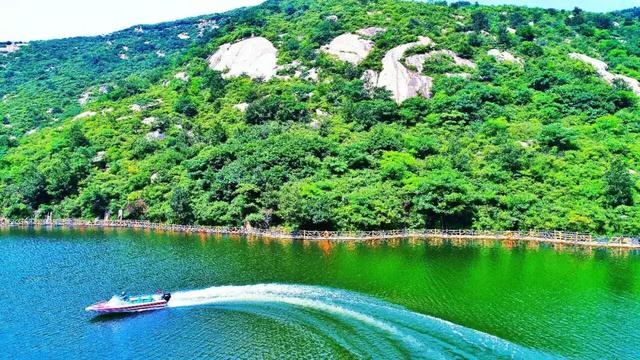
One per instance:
[(518, 128)]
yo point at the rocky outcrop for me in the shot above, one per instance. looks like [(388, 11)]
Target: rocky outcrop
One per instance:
[(149, 121), (182, 76), (395, 77), (84, 98), (85, 115), (504, 56), (602, 69), (255, 57), (370, 31), (349, 47), (155, 136), (242, 106), (9, 48), (418, 60)]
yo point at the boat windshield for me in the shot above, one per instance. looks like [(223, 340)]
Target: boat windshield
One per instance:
[(116, 300)]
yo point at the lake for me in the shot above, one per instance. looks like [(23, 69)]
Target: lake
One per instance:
[(248, 298)]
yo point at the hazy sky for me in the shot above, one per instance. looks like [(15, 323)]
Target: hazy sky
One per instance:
[(590, 5), (47, 19)]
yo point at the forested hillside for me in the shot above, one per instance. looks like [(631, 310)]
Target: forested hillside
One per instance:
[(333, 115)]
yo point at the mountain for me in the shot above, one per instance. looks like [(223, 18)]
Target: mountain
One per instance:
[(329, 114)]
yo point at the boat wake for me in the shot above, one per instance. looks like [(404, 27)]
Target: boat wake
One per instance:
[(359, 324)]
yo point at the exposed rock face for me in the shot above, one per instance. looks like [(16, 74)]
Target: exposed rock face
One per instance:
[(184, 36), (370, 78), (371, 31), (84, 115), (160, 54), (601, 67), (255, 57), (12, 47), (149, 121), (155, 136), (349, 47), (419, 59), (242, 106), (312, 75), (396, 78), (182, 76), (84, 98), (99, 156), (504, 56)]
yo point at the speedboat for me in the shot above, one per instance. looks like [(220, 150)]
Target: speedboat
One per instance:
[(125, 304)]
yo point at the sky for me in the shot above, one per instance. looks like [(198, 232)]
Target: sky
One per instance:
[(25, 20), (589, 5)]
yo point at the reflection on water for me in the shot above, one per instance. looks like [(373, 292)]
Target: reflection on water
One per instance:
[(568, 301)]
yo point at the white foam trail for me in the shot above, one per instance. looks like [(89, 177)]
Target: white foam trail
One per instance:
[(285, 294), (420, 333)]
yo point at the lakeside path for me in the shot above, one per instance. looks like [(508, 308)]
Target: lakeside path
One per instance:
[(533, 236)]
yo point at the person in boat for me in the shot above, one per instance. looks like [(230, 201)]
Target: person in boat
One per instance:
[(124, 296)]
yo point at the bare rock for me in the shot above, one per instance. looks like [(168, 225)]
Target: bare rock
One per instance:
[(370, 31), (312, 75), (149, 121), (256, 57), (155, 136), (123, 56), (12, 47), (402, 82), (349, 47), (602, 70), (85, 115), (182, 76), (160, 54), (370, 78), (84, 98), (504, 56), (333, 18), (99, 156), (184, 36), (242, 107)]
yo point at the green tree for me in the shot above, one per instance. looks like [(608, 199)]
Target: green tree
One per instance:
[(479, 21), (185, 105), (180, 203), (618, 185)]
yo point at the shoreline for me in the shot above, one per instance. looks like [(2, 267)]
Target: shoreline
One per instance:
[(533, 236)]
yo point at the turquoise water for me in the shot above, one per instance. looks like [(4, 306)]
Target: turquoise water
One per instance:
[(242, 298)]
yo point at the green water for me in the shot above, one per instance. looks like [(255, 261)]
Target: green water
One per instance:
[(335, 300)]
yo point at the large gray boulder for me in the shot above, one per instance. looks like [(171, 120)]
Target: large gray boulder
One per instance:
[(255, 57)]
